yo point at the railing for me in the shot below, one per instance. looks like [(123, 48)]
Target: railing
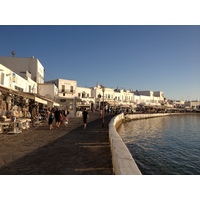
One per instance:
[(67, 91)]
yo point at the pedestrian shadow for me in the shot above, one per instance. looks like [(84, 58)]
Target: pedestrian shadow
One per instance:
[(77, 152)]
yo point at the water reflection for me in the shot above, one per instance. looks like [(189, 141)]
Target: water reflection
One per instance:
[(164, 145)]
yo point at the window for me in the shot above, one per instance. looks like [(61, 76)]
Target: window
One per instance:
[(18, 88), (62, 100), (29, 88), (2, 79), (83, 95), (71, 89), (63, 88)]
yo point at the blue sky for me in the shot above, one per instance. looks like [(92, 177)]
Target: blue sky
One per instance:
[(158, 58)]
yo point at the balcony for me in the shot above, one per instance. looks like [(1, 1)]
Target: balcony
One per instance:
[(67, 91)]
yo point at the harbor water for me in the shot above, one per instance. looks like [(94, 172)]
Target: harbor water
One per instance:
[(168, 145)]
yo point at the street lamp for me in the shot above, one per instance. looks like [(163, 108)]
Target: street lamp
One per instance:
[(99, 96), (114, 105), (103, 90), (74, 106)]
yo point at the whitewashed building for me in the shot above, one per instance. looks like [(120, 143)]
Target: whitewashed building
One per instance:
[(112, 97), (25, 67), (12, 80), (66, 96), (149, 98), (85, 99), (17, 93), (24, 74), (48, 90)]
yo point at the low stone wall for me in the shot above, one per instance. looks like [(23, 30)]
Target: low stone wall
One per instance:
[(144, 116), (122, 160)]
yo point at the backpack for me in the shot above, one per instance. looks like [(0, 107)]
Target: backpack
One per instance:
[(51, 116)]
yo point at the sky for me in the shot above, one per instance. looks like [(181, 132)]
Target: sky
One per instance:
[(139, 57)]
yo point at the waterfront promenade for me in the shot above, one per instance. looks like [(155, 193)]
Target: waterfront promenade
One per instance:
[(66, 151)]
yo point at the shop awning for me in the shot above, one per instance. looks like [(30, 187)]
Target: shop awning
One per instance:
[(87, 105), (56, 104), (16, 92), (28, 95), (39, 100), (50, 102)]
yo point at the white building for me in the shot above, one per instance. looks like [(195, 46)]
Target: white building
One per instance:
[(192, 104), (25, 88), (11, 80), (102, 94), (149, 97), (112, 97), (25, 67), (66, 95), (17, 93), (66, 88), (85, 98), (48, 90)]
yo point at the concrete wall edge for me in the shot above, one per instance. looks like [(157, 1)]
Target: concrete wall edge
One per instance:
[(122, 160)]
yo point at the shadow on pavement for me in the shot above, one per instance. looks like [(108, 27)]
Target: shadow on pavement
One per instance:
[(78, 152)]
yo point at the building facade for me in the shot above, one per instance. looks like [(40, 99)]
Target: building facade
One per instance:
[(25, 67)]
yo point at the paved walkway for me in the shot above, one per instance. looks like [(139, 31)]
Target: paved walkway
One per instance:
[(66, 151)]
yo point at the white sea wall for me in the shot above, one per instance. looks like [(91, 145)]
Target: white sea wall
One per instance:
[(144, 116), (122, 160)]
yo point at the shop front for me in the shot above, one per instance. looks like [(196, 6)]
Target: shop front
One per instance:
[(16, 108)]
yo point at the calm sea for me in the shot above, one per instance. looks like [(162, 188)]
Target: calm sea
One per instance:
[(165, 145)]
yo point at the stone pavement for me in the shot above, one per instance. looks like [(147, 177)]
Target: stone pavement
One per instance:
[(66, 151)]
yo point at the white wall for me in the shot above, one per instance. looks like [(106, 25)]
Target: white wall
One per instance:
[(123, 162), (21, 65), (5, 76), (13, 80), (48, 90), (67, 84), (82, 90)]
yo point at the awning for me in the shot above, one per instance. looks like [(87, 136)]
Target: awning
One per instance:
[(33, 96), (56, 104), (39, 100), (50, 102), (28, 95), (6, 90)]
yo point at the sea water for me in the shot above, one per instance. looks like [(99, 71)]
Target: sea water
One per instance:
[(164, 145)]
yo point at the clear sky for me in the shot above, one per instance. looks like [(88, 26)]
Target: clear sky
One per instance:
[(158, 58)]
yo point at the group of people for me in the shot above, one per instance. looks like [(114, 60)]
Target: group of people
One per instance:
[(60, 118)]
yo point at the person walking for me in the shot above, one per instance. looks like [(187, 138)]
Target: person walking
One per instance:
[(62, 118), (57, 115), (50, 120), (85, 117)]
